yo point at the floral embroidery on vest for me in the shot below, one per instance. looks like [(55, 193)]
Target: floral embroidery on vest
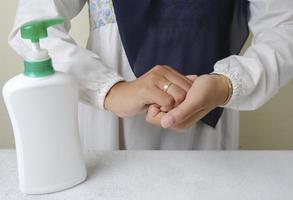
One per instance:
[(101, 13)]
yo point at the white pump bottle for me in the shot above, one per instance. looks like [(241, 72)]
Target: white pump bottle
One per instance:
[(42, 105)]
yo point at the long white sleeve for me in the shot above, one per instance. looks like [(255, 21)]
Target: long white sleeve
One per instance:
[(268, 64), (95, 78)]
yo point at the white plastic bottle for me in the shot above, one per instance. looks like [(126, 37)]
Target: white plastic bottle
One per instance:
[(42, 105)]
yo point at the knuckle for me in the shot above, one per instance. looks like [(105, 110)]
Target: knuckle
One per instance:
[(150, 75), (153, 78), (158, 68), (168, 67)]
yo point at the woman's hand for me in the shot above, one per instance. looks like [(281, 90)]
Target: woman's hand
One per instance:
[(130, 98), (207, 92)]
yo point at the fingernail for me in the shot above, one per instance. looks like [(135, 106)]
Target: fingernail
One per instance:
[(167, 121)]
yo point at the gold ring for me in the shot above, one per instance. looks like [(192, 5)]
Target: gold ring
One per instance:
[(166, 87)]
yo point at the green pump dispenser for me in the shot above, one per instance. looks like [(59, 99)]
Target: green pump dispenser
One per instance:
[(37, 62)]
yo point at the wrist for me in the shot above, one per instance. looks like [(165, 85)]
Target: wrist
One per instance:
[(113, 95), (122, 101), (225, 88)]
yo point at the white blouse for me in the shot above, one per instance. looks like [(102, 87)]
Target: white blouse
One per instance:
[(256, 76)]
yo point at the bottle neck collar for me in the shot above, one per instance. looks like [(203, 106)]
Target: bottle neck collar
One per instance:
[(38, 69)]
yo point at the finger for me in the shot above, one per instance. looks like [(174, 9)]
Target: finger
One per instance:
[(191, 77), (175, 91), (157, 96), (180, 114), (178, 79), (154, 115), (176, 72), (191, 121)]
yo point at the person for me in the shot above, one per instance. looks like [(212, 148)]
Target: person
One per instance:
[(173, 64)]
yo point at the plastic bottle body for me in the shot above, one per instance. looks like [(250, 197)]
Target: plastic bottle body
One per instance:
[(43, 113)]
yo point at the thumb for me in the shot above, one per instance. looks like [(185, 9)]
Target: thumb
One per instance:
[(178, 114)]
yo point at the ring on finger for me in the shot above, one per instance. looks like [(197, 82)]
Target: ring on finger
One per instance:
[(167, 86)]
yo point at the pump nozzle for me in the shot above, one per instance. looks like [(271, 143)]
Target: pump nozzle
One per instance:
[(34, 30)]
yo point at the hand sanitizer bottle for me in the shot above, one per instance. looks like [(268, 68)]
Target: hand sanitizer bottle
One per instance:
[(42, 105)]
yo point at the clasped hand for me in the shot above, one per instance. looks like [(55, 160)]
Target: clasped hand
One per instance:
[(187, 100)]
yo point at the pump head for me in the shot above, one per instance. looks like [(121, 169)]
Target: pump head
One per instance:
[(34, 30), (37, 61)]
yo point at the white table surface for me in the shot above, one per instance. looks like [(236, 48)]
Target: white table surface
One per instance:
[(168, 175)]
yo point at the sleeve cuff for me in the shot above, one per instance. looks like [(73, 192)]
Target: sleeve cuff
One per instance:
[(222, 67)]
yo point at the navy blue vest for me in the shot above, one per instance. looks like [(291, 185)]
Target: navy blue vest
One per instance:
[(188, 35)]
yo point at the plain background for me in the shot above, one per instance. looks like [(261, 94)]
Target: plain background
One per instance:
[(267, 128)]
